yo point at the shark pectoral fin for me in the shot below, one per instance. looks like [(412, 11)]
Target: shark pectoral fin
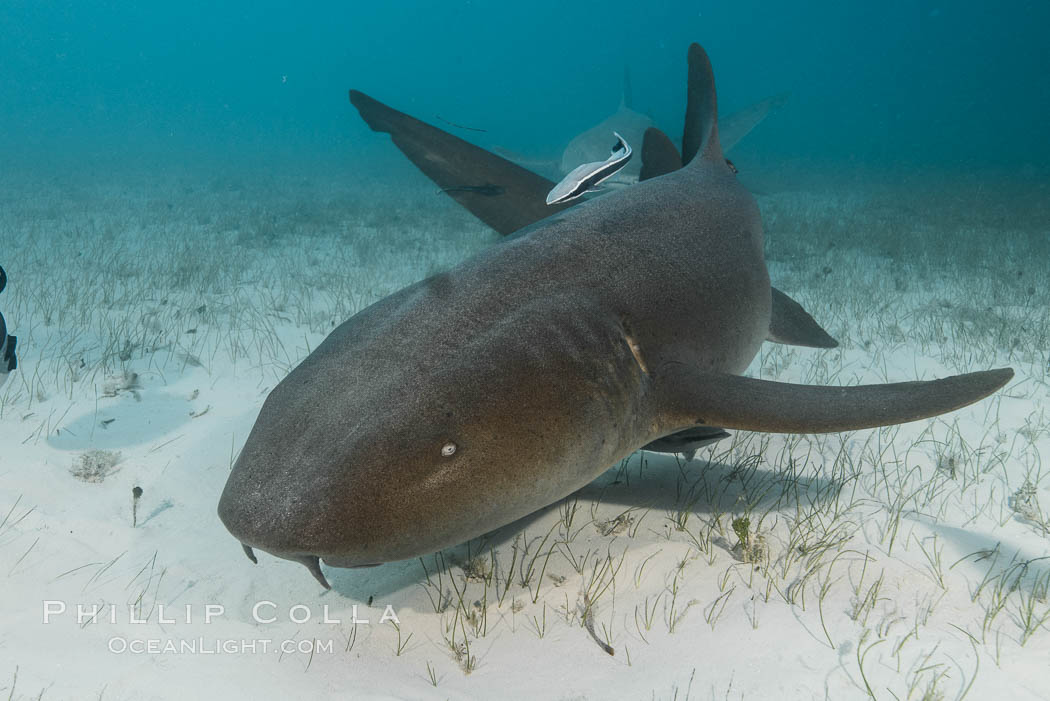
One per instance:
[(731, 401), (790, 324), (687, 441), (659, 155), (546, 167), (450, 162)]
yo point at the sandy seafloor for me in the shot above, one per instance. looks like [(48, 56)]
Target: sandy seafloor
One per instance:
[(155, 312)]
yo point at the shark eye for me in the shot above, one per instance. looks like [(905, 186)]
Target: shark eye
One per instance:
[(448, 450)]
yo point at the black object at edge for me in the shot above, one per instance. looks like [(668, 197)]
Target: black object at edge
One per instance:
[(8, 343)]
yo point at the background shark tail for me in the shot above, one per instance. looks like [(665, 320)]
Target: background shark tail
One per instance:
[(627, 100)]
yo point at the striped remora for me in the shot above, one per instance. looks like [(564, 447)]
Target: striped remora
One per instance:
[(584, 178)]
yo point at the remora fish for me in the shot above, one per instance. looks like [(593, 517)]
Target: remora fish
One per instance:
[(486, 392), (584, 178), (633, 125)]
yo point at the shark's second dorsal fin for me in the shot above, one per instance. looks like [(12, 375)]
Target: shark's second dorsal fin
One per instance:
[(701, 110), (790, 324), (659, 155)]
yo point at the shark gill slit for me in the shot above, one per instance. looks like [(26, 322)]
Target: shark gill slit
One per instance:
[(636, 351)]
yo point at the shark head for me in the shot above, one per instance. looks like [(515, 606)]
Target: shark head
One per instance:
[(408, 431)]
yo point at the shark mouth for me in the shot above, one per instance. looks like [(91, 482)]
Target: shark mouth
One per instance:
[(311, 562)]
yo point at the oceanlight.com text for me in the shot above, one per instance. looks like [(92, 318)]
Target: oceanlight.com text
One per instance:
[(217, 646)]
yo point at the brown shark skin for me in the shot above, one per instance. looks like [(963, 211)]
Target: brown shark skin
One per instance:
[(518, 356), (541, 362), (517, 195), (537, 387)]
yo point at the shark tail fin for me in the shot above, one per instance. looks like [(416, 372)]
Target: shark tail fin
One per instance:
[(701, 110), (731, 401)]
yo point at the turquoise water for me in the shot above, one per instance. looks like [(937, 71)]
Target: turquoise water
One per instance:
[(189, 204), (948, 84)]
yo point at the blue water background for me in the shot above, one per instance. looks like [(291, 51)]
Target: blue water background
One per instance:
[(957, 85)]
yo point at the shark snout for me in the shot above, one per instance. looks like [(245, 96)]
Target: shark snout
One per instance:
[(253, 536), (312, 563), (282, 529)]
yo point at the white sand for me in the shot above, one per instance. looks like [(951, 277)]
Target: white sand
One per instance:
[(896, 560)]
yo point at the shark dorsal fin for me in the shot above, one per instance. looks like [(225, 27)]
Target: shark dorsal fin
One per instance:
[(659, 155), (701, 110)]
